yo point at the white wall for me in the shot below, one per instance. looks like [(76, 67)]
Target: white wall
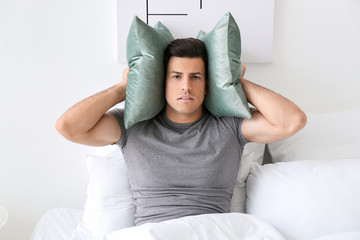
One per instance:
[(316, 58), (54, 53)]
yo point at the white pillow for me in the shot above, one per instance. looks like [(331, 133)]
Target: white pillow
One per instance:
[(109, 205), (229, 226), (326, 136), (306, 199), (84, 228), (253, 153)]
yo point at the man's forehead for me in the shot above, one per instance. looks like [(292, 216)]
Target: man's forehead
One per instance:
[(186, 61), (186, 66)]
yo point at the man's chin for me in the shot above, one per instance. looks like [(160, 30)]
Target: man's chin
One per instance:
[(184, 112)]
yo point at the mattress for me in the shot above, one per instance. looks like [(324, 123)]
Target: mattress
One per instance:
[(57, 224)]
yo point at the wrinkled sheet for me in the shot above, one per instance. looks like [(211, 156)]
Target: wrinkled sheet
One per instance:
[(229, 226)]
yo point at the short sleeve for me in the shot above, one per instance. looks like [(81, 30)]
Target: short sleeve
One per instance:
[(235, 124), (241, 138), (119, 115)]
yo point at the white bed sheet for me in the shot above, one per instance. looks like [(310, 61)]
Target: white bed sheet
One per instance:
[(341, 236), (58, 224), (219, 226)]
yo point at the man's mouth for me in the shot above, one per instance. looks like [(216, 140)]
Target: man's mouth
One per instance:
[(185, 98)]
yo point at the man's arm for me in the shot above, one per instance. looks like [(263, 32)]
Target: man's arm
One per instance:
[(87, 121), (274, 118)]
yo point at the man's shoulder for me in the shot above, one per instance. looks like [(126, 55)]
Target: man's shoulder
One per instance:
[(226, 119)]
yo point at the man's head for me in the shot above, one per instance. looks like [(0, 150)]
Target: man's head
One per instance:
[(187, 48), (185, 84)]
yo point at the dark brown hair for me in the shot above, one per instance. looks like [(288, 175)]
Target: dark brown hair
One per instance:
[(186, 47)]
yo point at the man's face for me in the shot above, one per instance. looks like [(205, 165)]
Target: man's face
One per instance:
[(185, 89)]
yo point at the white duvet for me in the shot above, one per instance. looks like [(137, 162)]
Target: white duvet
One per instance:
[(229, 226), (60, 224), (341, 236)]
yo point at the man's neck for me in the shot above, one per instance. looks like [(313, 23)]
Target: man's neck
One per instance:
[(178, 117)]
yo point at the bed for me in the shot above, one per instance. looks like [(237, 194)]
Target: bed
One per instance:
[(305, 187)]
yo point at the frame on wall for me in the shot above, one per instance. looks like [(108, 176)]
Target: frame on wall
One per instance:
[(186, 18)]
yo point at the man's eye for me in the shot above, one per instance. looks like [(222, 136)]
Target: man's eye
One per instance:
[(176, 76), (196, 77)]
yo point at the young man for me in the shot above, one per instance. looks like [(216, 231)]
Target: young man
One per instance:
[(184, 161)]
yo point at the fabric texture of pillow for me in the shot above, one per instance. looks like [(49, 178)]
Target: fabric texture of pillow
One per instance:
[(145, 49), (225, 96), (306, 199), (229, 226), (253, 153), (84, 227), (326, 136), (110, 204)]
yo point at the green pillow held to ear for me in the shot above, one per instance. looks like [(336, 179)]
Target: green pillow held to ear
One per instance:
[(225, 96), (145, 93)]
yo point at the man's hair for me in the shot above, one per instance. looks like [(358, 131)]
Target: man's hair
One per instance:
[(186, 47)]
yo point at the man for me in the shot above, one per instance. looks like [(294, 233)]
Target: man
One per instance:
[(184, 161)]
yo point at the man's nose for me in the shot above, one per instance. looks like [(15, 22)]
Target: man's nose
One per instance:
[(186, 84)]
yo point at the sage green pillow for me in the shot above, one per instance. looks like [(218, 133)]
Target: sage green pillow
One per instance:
[(145, 93), (225, 96)]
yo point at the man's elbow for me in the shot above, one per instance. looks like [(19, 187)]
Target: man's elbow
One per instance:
[(64, 128), (297, 122)]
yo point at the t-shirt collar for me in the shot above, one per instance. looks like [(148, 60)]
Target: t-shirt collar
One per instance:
[(183, 125)]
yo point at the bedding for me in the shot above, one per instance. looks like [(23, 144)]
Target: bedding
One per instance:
[(341, 236), (229, 226), (253, 153), (59, 224), (109, 205), (331, 135), (306, 199), (314, 198)]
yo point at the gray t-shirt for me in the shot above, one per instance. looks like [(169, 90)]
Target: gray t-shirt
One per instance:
[(178, 170)]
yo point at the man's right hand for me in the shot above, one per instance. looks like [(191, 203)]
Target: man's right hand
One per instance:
[(124, 76), (243, 70)]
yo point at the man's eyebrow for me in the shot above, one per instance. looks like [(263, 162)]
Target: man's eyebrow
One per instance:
[(175, 72), (196, 73)]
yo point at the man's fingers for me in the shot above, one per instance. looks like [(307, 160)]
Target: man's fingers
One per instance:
[(243, 69), (125, 73)]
